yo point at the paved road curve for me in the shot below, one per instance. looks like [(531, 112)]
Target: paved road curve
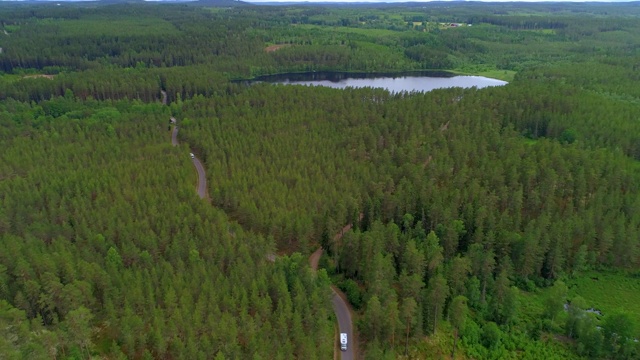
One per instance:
[(344, 322), (341, 309)]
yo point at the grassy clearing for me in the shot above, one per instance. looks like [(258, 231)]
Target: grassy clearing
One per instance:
[(541, 31), (531, 305), (350, 30), (505, 75), (514, 343), (8, 29), (611, 292), (437, 346)]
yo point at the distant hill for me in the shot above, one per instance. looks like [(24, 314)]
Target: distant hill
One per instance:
[(221, 3), (210, 3)]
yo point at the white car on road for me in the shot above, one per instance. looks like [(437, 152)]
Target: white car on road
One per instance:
[(343, 341)]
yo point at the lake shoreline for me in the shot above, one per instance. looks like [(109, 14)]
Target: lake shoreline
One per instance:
[(395, 82)]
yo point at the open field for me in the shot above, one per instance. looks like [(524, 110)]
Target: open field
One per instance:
[(506, 75), (609, 292), (351, 30)]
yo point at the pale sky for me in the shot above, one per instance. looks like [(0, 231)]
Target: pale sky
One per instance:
[(357, 1), (361, 1), (458, 1)]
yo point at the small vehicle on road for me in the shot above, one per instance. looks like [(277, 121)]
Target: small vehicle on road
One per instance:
[(343, 341), (192, 156)]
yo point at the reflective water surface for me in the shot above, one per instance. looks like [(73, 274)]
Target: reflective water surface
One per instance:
[(415, 81)]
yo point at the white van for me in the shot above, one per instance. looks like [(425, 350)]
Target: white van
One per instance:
[(192, 156), (343, 341)]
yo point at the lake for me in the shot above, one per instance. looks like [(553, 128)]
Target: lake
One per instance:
[(395, 82)]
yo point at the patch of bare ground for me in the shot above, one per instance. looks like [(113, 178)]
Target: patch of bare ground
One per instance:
[(563, 339), (273, 48), (424, 164), (50, 77), (346, 228), (315, 258)]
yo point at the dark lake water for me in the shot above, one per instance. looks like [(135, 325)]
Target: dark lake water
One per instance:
[(397, 82)]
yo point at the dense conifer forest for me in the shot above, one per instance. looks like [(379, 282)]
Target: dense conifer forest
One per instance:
[(496, 223)]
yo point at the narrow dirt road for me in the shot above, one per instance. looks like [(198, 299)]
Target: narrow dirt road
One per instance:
[(174, 136), (202, 177), (315, 258), (340, 306)]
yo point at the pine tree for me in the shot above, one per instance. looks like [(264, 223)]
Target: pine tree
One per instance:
[(457, 315)]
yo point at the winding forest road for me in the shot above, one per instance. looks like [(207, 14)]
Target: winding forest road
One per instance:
[(202, 177), (343, 314), (340, 306)]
